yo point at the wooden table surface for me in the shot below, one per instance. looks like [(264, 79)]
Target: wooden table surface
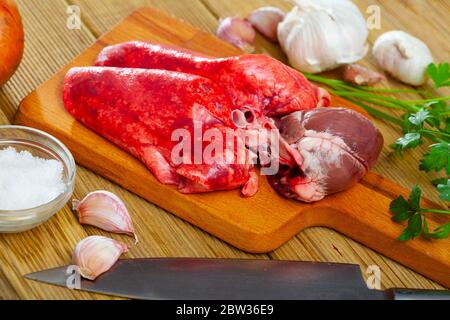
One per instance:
[(50, 45)]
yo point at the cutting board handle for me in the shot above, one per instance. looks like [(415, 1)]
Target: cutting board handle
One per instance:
[(363, 214)]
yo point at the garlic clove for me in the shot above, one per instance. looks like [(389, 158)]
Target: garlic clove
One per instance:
[(95, 255), (361, 76), (238, 32), (266, 20), (405, 57), (106, 211)]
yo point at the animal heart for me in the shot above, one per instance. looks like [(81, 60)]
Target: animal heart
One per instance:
[(337, 148)]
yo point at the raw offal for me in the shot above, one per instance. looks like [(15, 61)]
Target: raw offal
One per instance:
[(139, 109), (337, 148), (140, 92), (27, 181), (259, 82), (258, 86)]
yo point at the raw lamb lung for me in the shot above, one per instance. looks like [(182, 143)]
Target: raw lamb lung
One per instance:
[(139, 109), (337, 147), (258, 86), (141, 92), (253, 81)]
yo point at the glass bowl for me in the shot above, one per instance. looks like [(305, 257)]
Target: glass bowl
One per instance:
[(43, 145)]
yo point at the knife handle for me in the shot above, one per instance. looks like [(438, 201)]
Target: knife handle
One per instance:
[(416, 294)]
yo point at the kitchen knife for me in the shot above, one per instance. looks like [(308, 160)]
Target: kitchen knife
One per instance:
[(229, 279)]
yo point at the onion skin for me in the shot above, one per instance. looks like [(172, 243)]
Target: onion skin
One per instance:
[(11, 39)]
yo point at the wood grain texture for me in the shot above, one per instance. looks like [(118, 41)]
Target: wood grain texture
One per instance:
[(166, 235), (3, 119), (258, 224)]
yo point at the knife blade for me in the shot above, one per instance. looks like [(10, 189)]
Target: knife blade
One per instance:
[(222, 279)]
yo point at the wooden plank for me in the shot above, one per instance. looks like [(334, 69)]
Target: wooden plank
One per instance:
[(100, 16), (3, 119), (39, 68), (257, 224), (7, 291)]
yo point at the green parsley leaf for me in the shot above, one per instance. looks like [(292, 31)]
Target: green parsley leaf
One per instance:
[(408, 141), (419, 117), (414, 228), (440, 74), (437, 181), (414, 197), (417, 222), (441, 232), (402, 209), (437, 111), (406, 235), (444, 190), (437, 159), (447, 125)]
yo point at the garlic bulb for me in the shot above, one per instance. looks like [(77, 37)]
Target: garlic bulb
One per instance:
[(238, 32), (106, 211), (266, 20), (95, 255), (405, 57), (321, 35)]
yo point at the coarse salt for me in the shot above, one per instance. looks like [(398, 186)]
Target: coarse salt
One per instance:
[(27, 181)]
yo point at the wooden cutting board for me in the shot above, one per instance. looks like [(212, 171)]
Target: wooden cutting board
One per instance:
[(258, 224)]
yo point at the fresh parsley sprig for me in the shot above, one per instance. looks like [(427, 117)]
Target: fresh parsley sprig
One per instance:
[(437, 159), (411, 211), (440, 74), (443, 186)]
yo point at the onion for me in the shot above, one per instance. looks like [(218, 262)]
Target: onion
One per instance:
[(11, 39)]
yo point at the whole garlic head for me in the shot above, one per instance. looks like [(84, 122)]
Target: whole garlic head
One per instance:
[(319, 35), (405, 57)]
